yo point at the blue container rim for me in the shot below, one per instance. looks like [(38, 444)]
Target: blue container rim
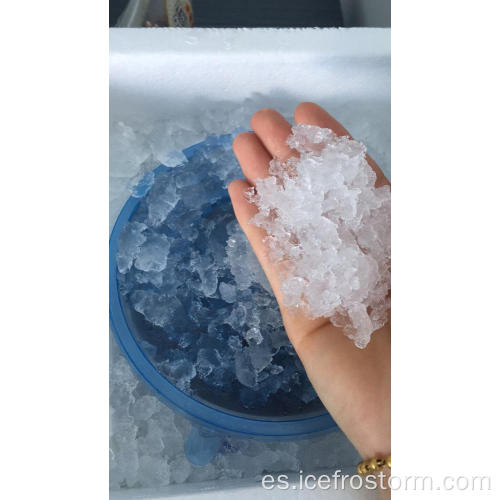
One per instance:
[(195, 410)]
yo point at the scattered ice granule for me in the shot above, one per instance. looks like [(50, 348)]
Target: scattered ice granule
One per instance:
[(145, 407), (181, 371), (261, 356), (163, 198), (160, 310), (245, 372), (253, 335), (154, 472), (234, 342), (122, 384), (150, 440), (128, 148), (237, 318), (153, 252), (131, 239), (243, 263), (124, 463), (206, 361), (154, 278), (205, 268), (227, 292), (174, 159), (143, 185), (180, 469), (330, 226)]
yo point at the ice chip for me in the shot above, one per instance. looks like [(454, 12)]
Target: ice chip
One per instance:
[(253, 335), (131, 239), (153, 254), (174, 159), (207, 361), (244, 370), (227, 292), (181, 371), (143, 185)]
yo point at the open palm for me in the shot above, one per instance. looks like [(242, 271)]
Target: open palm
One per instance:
[(353, 384)]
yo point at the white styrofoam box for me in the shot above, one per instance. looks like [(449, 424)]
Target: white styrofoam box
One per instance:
[(169, 73), (164, 72)]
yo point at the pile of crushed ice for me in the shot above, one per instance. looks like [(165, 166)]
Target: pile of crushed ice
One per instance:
[(146, 437), (213, 327), (147, 443), (328, 227)]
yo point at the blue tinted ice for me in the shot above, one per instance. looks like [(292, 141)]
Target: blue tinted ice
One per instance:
[(202, 308), (131, 239)]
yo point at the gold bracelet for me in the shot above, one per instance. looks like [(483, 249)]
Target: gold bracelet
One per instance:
[(373, 465)]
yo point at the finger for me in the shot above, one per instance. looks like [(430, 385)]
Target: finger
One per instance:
[(312, 114), (252, 156), (273, 130)]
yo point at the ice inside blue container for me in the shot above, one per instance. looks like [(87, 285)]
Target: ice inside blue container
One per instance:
[(213, 409)]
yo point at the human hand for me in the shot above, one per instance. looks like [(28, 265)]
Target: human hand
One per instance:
[(352, 383)]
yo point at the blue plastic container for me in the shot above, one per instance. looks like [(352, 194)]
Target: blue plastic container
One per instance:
[(212, 418)]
